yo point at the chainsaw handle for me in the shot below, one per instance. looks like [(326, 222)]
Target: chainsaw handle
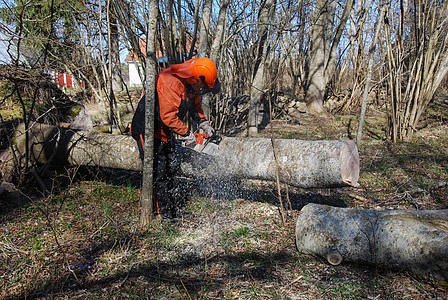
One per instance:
[(200, 138)]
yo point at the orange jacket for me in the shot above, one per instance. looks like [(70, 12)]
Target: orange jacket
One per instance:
[(174, 100)]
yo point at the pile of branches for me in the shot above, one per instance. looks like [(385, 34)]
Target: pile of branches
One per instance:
[(34, 91), (229, 115)]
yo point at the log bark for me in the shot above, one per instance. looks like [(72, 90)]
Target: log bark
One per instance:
[(415, 241), (88, 148), (306, 164), (301, 163)]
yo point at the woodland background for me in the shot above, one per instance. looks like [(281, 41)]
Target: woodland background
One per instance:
[(269, 53), (374, 71)]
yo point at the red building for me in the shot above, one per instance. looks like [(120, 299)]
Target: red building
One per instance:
[(64, 79)]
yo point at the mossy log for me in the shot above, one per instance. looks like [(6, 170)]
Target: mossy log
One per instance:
[(415, 241), (299, 163)]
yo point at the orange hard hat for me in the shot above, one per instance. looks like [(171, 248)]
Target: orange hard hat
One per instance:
[(205, 70)]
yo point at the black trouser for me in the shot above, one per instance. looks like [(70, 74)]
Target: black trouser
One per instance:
[(166, 203)]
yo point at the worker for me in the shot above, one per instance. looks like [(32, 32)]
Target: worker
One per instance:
[(178, 91)]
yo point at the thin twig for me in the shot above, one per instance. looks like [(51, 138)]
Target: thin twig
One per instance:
[(277, 167), (287, 197), (10, 246), (188, 294)]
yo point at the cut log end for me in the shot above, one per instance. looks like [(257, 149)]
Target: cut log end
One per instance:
[(350, 164), (334, 258)]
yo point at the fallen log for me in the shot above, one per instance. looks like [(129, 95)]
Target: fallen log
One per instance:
[(415, 241), (299, 163), (74, 147)]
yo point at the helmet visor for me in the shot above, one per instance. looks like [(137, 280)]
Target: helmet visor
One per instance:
[(215, 90)]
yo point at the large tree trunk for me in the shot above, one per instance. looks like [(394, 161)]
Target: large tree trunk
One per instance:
[(301, 163), (50, 144), (325, 41), (415, 241), (317, 81)]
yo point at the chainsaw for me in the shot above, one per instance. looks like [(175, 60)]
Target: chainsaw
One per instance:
[(207, 144), (198, 159)]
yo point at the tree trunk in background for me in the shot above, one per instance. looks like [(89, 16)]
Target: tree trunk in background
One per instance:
[(408, 240), (325, 40), (116, 76), (317, 81), (219, 31), (214, 52), (257, 89), (293, 46), (335, 34), (168, 32), (372, 48), (195, 30), (204, 30), (151, 64)]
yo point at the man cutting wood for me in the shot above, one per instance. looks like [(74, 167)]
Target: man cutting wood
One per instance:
[(178, 90)]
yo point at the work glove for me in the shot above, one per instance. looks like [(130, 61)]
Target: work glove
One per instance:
[(189, 140), (206, 128)]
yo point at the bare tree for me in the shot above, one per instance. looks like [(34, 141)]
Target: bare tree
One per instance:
[(147, 188), (219, 31), (362, 12), (214, 50), (417, 61), (294, 42), (369, 73), (114, 51), (204, 28), (203, 48), (114, 74)]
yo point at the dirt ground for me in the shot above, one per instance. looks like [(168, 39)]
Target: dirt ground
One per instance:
[(84, 241)]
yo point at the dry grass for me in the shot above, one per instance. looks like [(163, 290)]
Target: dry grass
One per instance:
[(85, 241)]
